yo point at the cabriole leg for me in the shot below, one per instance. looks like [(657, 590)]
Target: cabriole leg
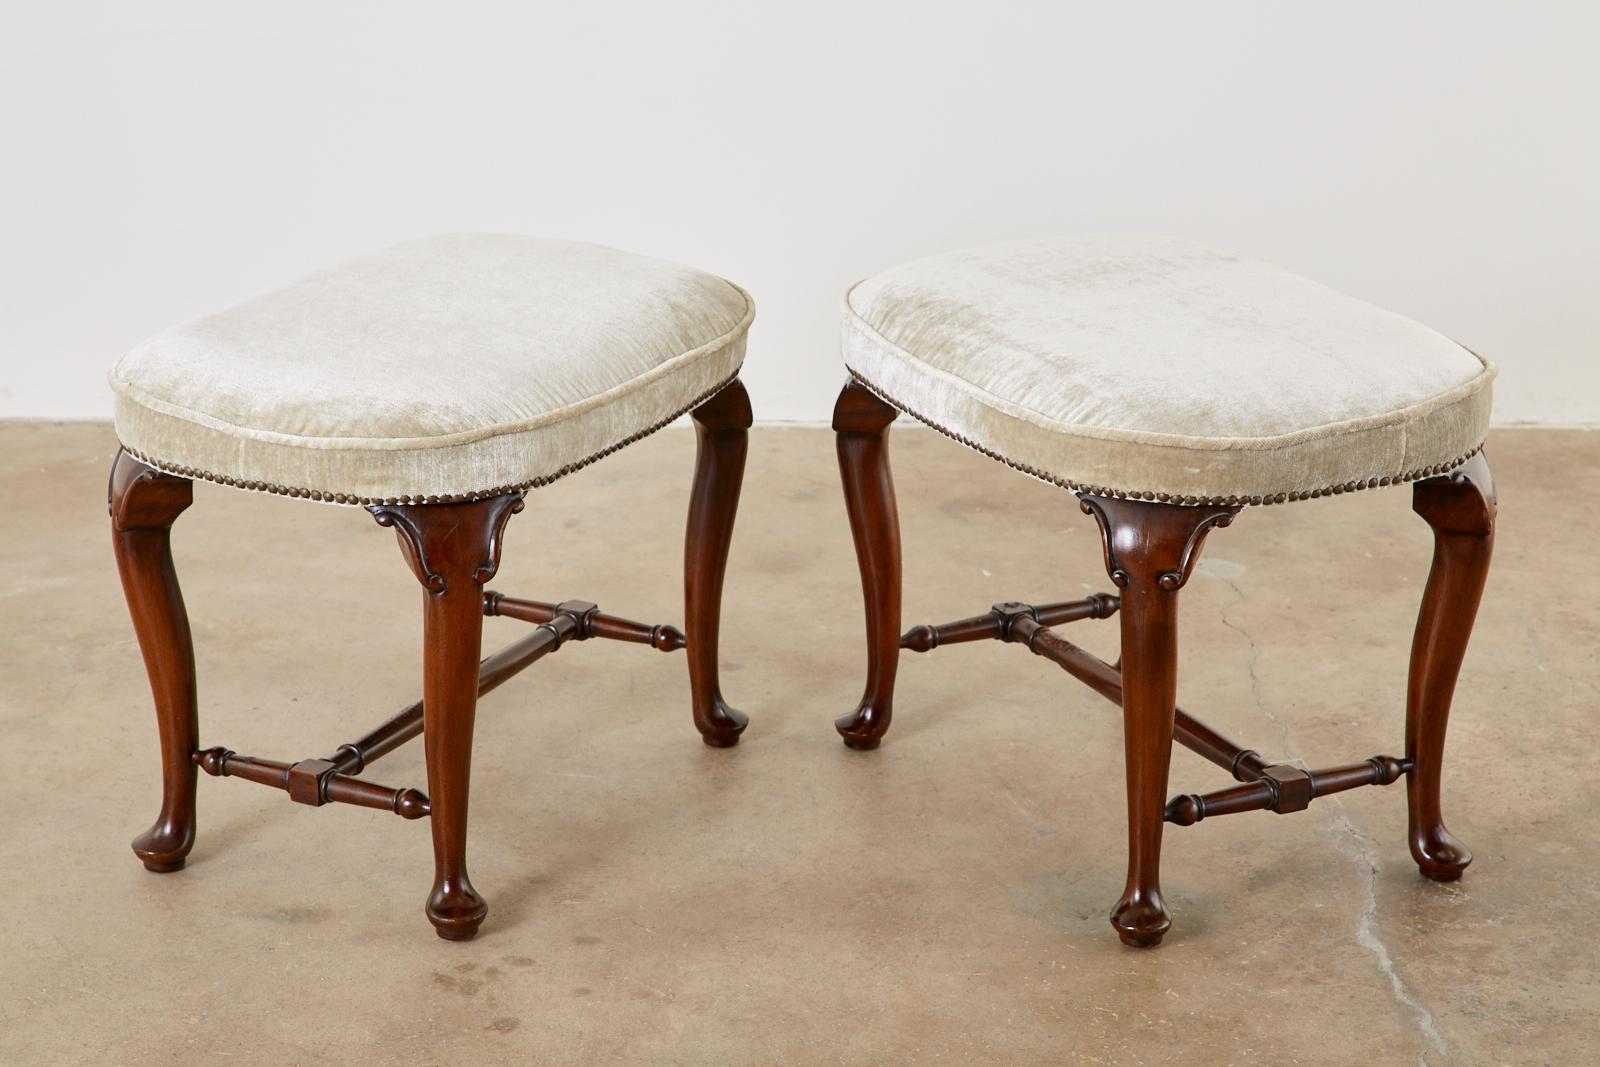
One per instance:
[(144, 504), (861, 422), (453, 549), (1460, 506), (1150, 550), (721, 428)]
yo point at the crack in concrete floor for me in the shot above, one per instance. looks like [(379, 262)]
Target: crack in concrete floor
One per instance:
[(787, 884), (1351, 842)]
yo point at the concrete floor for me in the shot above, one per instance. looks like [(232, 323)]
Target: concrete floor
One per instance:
[(941, 900)]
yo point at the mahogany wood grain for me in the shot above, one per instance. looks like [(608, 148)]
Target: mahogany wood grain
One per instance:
[(661, 637), (861, 424), (1150, 550), (1243, 763), (453, 549), (144, 503), (1460, 507), (992, 625), (1265, 792), (721, 426), (355, 756), (314, 782)]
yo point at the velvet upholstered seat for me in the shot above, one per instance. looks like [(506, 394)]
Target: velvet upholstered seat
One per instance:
[(1171, 387), (432, 383), (442, 369), (1162, 369)]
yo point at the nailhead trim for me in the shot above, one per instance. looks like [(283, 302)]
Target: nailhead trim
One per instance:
[(323, 496), (1173, 498)]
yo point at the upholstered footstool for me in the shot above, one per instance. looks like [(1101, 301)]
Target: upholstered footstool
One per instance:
[(433, 384), (1169, 386)]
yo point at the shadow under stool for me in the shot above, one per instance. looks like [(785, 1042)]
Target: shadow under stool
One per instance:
[(1170, 387), (434, 384)]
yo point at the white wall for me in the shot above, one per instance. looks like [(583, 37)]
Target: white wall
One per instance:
[(161, 159)]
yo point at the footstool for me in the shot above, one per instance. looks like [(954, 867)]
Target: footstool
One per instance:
[(1169, 386), (433, 384)]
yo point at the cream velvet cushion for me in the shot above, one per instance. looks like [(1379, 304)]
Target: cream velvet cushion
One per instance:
[(1162, 369), (445, 368)]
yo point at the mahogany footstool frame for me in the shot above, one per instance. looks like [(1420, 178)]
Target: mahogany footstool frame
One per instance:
[(1151, 548), (454, 551)]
